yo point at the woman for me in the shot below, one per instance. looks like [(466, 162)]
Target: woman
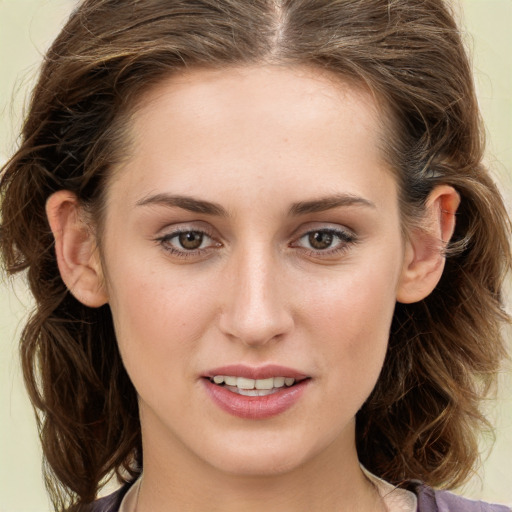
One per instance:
[(264, 252)]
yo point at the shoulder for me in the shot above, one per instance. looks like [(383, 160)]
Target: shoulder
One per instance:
[(430, 500)]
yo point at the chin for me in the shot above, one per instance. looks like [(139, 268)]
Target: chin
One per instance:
[(260, 463), (263, 456)]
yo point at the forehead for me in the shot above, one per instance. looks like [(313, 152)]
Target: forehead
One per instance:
[(244, 123), (278, 94)]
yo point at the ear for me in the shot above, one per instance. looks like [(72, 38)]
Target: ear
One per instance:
[(424, 253), (76, 250)]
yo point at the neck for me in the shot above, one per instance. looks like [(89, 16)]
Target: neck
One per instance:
[(331, 482)]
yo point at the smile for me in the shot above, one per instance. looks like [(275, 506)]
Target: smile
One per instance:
[(255, 393), (253, 387)]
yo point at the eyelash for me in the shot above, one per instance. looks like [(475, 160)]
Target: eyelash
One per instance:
[(345, 240), (165, 242)]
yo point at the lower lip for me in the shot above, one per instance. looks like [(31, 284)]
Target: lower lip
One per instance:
[(255, 407)]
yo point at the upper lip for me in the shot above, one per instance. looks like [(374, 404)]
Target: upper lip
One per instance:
[(259, 372)]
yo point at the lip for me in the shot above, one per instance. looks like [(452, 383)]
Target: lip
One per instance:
[(256, 407), (250, 372)]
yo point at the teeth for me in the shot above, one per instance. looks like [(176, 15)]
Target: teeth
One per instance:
[(264, 383), (279, 382), (243, 383), (254, 384), (253, 392)]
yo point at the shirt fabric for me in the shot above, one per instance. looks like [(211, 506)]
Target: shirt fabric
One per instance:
[(427, 500), (395, 499)]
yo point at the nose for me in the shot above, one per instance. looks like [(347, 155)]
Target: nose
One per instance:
[(257, 308)]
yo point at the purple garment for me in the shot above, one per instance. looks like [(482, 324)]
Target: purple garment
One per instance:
[(429, 500)]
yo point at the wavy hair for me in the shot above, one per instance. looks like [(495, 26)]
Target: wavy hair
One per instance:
[(423, 417)]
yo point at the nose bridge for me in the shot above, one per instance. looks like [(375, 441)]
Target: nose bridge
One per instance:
[(256, 309)]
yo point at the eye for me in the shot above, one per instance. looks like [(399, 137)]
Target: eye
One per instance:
[(190, 240), (320, 240), (325, 241), (187, 242)]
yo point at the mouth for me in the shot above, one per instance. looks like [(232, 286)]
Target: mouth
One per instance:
[(255, 393), (253, 387)]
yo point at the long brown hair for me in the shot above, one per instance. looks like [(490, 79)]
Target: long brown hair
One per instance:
[(422, 419)]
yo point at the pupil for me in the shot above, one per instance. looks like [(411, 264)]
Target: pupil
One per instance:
[(320, 239), (191, 239)]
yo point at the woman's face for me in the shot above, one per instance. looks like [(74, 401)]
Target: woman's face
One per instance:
[(253, 233)]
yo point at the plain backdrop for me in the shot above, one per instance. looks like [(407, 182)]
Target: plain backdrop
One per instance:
[(27, 27)]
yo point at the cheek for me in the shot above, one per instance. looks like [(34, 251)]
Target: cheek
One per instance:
[(360, 300), (158, 319), (350, 316)]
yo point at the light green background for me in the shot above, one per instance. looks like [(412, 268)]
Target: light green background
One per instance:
[(26, 29)]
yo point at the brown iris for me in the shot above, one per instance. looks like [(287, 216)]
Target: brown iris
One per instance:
[(320, 239), (191, 239)]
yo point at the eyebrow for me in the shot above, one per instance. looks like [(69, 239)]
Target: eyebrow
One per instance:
[(327, 203), (185, 202), (192, 204)]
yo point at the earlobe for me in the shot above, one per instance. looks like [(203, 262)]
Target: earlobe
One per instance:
[(424, 253), (75, 248)]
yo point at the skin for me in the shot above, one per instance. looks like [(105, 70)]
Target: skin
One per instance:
[(255, 142)]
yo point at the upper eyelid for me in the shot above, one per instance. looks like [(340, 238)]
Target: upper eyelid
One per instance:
[(333, 228), (184, 227), (341, 234), (178, 231), (175, 233)]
